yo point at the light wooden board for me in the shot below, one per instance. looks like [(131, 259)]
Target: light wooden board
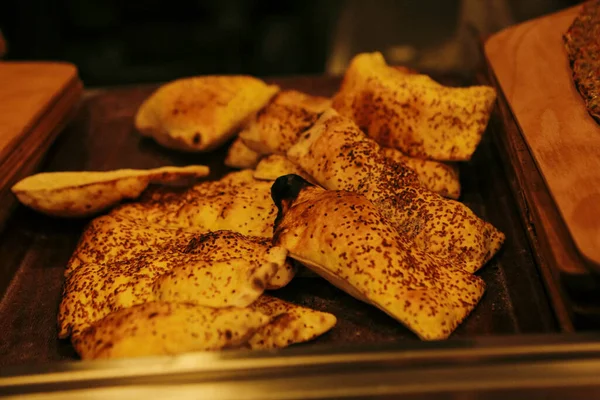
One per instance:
[(36, 101), (532, 68), (27, 91)]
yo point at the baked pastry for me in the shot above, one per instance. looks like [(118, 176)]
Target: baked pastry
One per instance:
[(273, 166), (236, 202), (338, 156), (217, 269), (583, 49), (85, 193), (158, 328), (412, 112), (277, 126), (290, 324), (226, 247), (344, 238), (240, 204), (436, 176), (111, 238), (201, 113), (241, 156)]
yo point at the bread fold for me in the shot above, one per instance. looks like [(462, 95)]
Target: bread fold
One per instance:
[(344, 238), (339, 156), (413, 113)]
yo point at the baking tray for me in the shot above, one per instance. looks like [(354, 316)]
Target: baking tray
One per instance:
[(34, 249), (549, 367)]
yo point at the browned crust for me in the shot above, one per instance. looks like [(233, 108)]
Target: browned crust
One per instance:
[(582, 41)]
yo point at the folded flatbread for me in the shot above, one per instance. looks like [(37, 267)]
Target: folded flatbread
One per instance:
[(111, 238), (217, 269), (436, 176), (237, 203), (201, 113), (276, 127), (84, 193), (273, 166), (341, 236), (241, 156), (338, 156), (412, 112), (159, 328), (289, 324)]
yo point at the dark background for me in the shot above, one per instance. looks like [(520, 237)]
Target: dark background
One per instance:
[(134, 41)]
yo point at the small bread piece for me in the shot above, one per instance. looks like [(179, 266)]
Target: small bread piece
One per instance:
[(342, 236), (241, 156), (159, 328), (274, 166), (236, 274), (340, 157), (412, 112), (276, 127), (201, 113), (80, 194), (436, 176), (290, 324)]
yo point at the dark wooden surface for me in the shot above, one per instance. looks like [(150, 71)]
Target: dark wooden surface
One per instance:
[(34, 249)]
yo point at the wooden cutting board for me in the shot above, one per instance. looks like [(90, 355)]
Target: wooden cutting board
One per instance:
[(36, 101), (532, 69)]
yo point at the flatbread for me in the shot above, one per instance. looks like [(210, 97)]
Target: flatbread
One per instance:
[(237, 203), (342, 236), (227, 247), (217, 269), (273, 166), (158, 328), (241, 156), (583, 48), (436, 176), (201, 113), (340, 157), (289, 324), (276, 127), (81, 194), (412, 112), (111, 238)]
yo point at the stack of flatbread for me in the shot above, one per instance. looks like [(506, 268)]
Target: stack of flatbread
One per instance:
[(360, 189)]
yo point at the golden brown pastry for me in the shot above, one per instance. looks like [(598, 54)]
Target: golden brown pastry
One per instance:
[(201, 113), (240, 204), (217, 269), (289, 324), (273, 166), (241, 156), (436, 176), (84, 193), (237, 203), (159, 328), (110, 238), (341, 236), (229, 248), (340, 157), (412, 112), (276, 127)]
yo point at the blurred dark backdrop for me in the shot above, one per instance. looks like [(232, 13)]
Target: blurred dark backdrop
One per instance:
[(133, 41)]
